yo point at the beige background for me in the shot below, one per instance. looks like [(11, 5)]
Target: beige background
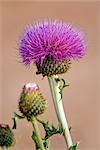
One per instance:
[(81, 99)]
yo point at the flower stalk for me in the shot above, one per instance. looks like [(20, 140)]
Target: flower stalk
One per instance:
[(36, 130), (55, 91), (4, 148)]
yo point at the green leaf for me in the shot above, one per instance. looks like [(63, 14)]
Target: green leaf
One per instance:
[(70, 129), (60, 129), (34, 138), (46, 143), (74, 147), (15, 118), (18, 116), (61, 85), (64, 83), (14, 123), (57, 80), (50, 130)]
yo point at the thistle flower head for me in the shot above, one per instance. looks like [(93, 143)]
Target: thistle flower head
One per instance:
[(56, 40), (6, 135), (31, 101)]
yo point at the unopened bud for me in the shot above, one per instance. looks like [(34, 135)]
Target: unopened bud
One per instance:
[(31, 102), (6, 135)]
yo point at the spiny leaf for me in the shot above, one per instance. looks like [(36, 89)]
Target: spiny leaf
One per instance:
[(74, 147), (14, 123), (34, 138), (70, 129), (18, 116), (61, 85), (15, 118), (57, 79), (46, 143), (60, 129), (64, 83), (50, 130)]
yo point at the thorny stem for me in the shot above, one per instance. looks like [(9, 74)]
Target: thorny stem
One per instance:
[(59, 110)]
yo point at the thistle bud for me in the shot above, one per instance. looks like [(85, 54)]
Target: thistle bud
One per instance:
[(6, 135), (31, 102)]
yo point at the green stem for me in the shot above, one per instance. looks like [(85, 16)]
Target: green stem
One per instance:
[(4, 148), (59, 110), (36, 130)]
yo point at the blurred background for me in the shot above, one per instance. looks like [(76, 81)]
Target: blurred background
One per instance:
[(81, 99)]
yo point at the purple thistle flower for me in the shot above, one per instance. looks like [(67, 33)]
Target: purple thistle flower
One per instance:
[(51, 38)]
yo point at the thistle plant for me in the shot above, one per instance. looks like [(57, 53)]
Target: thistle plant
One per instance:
[(31, 105), (6, 136), (51, 45)]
